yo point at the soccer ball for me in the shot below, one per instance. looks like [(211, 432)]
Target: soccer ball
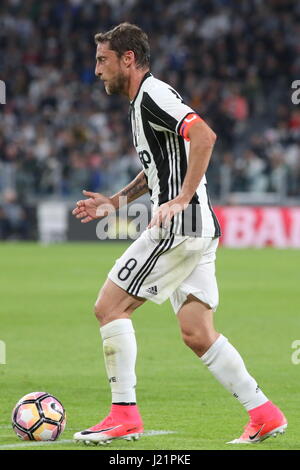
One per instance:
[(38, 416)]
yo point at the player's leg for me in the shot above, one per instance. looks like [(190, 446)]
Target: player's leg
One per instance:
[(113, 309), (196, 324), (195, 316), (145, 271), (222, 359), (151, 268)]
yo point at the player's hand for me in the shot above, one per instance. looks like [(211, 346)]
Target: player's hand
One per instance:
[(165, 213), (95, 207)]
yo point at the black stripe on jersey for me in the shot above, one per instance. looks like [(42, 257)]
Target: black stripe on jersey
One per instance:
[(216, 222), (149, 190), (168, 242), (157, 144), (192, 221), (158, 115), (135, 280), (135, 284), (176, 157), (171, 157), (183, 159), (167, 246), (183, 169), (177, 177)]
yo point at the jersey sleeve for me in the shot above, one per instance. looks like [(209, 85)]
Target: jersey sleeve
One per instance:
[(165, 110)]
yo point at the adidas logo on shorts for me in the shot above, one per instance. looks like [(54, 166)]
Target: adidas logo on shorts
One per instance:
[(152, 290)]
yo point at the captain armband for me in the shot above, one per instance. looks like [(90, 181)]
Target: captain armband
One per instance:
[(187, 123)]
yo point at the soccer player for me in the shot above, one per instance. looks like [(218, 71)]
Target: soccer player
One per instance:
[(175, 256)]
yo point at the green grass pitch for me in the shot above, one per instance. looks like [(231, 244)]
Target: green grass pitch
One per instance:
[(53, 344)]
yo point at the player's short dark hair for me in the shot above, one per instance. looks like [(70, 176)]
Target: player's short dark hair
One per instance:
[(128, 37)]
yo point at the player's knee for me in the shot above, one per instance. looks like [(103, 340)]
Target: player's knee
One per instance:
[(103, 307), (107, 312), (196, 342), (190, 339), (100, 311), (104, 314)]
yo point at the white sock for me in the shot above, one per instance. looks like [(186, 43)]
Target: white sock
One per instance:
[(119, 347), (226, 364)]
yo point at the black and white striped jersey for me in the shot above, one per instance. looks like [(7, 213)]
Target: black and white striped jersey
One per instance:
[(157, 114)]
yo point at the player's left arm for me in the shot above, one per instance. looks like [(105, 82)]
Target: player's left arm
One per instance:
[(202, 139)]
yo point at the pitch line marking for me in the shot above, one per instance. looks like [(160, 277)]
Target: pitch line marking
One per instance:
[(71, 441)]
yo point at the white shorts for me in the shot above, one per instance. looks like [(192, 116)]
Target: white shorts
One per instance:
[(157, 268)]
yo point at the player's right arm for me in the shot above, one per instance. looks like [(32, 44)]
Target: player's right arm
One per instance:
[(97, 205)]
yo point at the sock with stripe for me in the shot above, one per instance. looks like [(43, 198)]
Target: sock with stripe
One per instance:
[(120, 350), (227, 366)]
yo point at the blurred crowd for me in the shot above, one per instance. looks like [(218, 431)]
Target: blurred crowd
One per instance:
[(233, 62)]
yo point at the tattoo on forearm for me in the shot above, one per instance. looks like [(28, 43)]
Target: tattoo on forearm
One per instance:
[(137, 187)]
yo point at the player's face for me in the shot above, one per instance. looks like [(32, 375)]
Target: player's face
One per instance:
[(109, 68)]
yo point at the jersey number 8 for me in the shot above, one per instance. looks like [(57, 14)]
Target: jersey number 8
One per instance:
[(125, 272)]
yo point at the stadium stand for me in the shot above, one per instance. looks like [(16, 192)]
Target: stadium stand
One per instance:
[(233, 62)]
